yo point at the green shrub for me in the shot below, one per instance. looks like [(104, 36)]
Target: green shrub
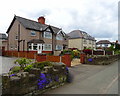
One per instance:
[(76, 53), (117, 52), (22, 62), (68, 51), (41, 65), (14, 69), (28, 67)]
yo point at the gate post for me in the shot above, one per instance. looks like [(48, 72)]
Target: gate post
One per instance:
[(82, 58), (67, 59)]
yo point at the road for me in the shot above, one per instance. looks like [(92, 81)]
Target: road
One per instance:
[(87, 79), (91, 79)]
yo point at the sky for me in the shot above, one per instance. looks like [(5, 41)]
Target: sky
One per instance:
[(99, 18)]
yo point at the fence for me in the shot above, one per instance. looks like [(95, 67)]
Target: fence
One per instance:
[(65, 59), (33, 55), (26, 54), (103, 53)]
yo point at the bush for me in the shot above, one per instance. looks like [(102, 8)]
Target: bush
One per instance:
[(76, 53), (23, 62), (41, 65), (14, 69), (28, 68), (117, 52)]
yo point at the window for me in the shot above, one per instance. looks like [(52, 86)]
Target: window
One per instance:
[(106, 45), (33, 33), (11, 47), (30, 46), (47, 47), (59, 37), (48, 35), (85, 41), (16, 37), (89, 41), (34, 46), (59, 47)]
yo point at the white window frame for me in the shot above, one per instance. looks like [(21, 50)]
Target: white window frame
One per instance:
[(31, 44), (36, 45), (59, 46), (50, 35), (47, 49), (33, 33)]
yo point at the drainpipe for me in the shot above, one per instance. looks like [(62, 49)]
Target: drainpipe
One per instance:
[(23, 45), (52, 43), (52, 39)]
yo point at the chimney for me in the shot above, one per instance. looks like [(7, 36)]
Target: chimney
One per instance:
[(116, 41), (41, 20)]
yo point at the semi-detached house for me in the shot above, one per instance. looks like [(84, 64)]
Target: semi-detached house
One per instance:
[(28, 35)]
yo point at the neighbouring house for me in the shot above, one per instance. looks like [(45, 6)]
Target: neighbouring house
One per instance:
[(28, 35), (3, 41), (81, 40), (102, 44)]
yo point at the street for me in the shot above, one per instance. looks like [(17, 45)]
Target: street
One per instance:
[(87, 79), (91, 79)]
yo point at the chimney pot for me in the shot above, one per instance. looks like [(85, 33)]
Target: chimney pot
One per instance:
[(41, 20)]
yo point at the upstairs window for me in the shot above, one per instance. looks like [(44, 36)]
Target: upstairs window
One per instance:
[(85, 41), (33, 33), (90, 41), (48, 35), (59, 37)]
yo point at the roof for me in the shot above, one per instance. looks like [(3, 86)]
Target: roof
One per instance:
[(3, 36), (32, 25), (104, 42), (79, 34), (36, 41)]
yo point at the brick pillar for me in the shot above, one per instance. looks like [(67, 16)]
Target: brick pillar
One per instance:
[(40, 57), (82, 58), (67, 59)]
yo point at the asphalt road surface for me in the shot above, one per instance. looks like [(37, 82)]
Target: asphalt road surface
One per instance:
[(91, 79), (87, 79)]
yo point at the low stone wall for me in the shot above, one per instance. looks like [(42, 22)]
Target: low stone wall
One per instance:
[(35, 81), (101, 60)]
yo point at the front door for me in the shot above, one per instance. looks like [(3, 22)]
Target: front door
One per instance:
[(39, 48)]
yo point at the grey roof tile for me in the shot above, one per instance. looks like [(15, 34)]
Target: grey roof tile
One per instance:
[(30, 24)]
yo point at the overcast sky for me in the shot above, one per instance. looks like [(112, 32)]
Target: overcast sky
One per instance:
[(99, 18)]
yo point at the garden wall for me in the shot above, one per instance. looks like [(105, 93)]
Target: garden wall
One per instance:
[(101, 60), (35, 81)]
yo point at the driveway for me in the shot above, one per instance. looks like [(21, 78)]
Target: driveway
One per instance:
[(6, 63)]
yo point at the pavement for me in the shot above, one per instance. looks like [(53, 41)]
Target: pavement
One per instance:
[(86, 79)]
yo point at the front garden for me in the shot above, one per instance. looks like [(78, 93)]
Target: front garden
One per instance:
[(34, 77)]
